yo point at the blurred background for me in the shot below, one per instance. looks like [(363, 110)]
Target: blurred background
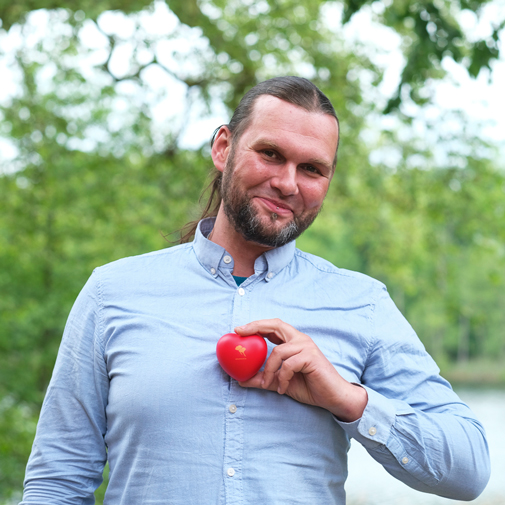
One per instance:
[(106, 109)]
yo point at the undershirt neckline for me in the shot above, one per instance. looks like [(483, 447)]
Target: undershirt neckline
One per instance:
[(239, 280)]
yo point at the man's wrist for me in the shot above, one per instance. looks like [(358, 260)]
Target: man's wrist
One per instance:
[(352, 405)]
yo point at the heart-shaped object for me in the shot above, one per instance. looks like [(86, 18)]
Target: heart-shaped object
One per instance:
[(241, 357)]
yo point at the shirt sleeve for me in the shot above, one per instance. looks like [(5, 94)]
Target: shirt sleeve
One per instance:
[(414, 423), (69, 453)]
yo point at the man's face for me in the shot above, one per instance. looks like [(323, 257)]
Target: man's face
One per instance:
[(278, 172)]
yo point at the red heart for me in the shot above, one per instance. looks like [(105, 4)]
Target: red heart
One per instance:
[(241, 357)]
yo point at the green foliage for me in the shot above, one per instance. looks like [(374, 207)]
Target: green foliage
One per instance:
[(430, 32), (68, 211), (17, 429), (100, 492)]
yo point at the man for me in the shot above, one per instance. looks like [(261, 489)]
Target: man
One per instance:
[(137, 380)]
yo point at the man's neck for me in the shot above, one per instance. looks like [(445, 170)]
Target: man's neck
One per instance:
[(243, 252)]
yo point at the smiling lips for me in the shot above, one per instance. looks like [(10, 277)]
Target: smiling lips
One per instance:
[(273, 206)]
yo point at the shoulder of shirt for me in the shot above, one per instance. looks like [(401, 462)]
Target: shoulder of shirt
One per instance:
[(141, 260), (326, 267)]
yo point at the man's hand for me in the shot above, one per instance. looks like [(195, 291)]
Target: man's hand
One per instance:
[(298, 368)]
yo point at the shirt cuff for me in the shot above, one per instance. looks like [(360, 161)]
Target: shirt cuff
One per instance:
[(373, 428)]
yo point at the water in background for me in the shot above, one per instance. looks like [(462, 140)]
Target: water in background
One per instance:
[(370, 484)]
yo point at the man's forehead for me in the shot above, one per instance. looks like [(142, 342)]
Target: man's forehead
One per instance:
[(273, 110), (267, 104), (271, 113)]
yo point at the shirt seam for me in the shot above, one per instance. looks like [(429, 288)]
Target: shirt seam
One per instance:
[(100, 318), (303, 256), (376, 285), (373, 336), (159, 252), (336, 270)]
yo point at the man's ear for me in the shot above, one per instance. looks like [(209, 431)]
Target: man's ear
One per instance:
[(221, 147)]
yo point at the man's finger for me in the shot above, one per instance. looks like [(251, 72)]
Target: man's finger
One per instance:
[(275, 361), (253, 382), (292, 365), (257, 382), (275, 330)]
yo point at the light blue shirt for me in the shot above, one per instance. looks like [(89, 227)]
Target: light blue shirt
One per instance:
[(137, 381)]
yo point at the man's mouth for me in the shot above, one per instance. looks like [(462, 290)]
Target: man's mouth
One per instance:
[(281, 209)]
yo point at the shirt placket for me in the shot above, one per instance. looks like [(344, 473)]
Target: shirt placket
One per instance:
[(234, 425)]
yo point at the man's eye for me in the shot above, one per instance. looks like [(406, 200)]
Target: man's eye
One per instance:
[(269, 153), (312, 169)]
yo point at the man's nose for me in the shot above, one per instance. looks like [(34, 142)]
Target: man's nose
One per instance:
[(285, 179)]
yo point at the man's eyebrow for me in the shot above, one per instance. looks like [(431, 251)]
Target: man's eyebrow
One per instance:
[(269, 143), (315, 161)]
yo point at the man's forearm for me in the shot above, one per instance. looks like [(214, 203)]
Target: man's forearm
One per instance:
[(352, 404), (440, 452)]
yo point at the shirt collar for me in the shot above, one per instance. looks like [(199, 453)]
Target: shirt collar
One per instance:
[(210, 254)]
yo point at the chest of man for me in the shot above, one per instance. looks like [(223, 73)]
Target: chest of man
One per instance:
[(176, 420)]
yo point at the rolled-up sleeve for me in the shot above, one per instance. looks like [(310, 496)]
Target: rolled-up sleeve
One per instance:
[(69, 452), (414, 423)]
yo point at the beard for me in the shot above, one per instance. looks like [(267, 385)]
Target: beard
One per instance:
[(239, 210)]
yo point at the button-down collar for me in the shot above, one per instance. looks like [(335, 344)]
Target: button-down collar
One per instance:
[(210, 254)]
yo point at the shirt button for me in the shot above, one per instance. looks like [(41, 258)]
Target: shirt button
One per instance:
[(241, 291), (227, 259), (270, 275), (232, 409), (230, 472), (372, 431), (405, 460), (213, 271)]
